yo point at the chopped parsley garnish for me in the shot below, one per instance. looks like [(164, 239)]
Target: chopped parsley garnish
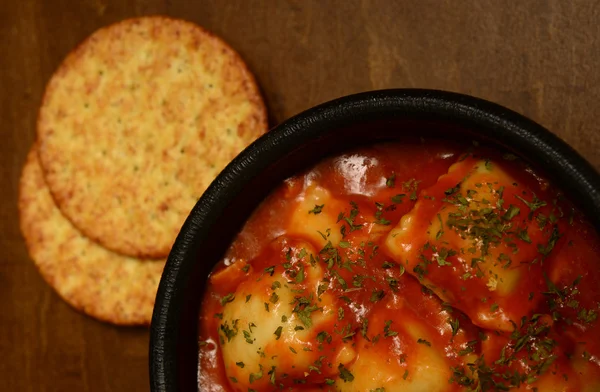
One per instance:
[(388, 264), (321, 289), (524, 236), (228, 298), (511, 212), (383, 221), (402, 269), (546, 249), (390, 182), (397, 199), (324, 336), (534, 204), (229, 332), (443, 254), (248, 337), (278, 332), (469, 348), (303, 310), (423, 341), (270, 270), (440, 232), (274, 298), (387, 332), (271, 374), (453, 190), (345, 373), (364, 327), (256, 376), (377, 295), (300, 275), (587, 316), (350, 219), (454, 324), (317, 209), (323, 235), (393, 283), (340, 280)]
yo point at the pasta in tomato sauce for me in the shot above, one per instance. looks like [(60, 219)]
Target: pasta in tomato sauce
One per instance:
[(407, 267)]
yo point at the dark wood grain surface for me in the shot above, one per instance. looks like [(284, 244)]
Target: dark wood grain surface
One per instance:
[(537, 57)]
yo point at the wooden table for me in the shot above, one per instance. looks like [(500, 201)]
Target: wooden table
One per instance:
[(539, 58)]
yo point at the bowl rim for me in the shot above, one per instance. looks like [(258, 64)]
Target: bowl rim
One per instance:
[(495, 122)]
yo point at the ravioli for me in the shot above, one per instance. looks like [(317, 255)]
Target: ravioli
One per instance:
[(473, 240), (314, 216), (319, 217), (410, 346), (269, 324)]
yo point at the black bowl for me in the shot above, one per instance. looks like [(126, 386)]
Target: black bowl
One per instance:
[(302, 141)]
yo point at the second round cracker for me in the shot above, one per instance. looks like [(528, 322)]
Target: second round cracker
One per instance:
[(103, 284), (136, 123)]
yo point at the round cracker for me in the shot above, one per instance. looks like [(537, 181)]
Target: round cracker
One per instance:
[(94, 280), (136, 123)]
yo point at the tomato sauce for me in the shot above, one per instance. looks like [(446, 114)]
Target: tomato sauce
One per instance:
[(407, 267)]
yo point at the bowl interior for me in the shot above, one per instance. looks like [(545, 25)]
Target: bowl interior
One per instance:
[(300, 143)]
